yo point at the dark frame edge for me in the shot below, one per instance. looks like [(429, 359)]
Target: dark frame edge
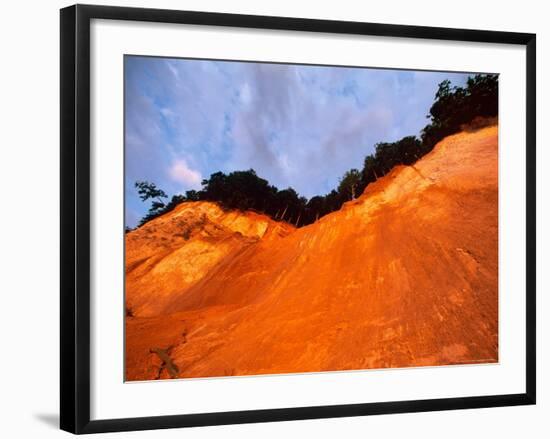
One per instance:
[(302, 24), (68, 388), (531, 253), (75, 219), (304, 413)]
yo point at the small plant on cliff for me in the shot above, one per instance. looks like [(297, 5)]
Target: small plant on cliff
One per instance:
[(150, 191)]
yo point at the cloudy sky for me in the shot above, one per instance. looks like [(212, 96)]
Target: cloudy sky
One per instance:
[(295, 125)]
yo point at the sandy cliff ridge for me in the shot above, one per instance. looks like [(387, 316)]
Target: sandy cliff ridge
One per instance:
[(406, 275)]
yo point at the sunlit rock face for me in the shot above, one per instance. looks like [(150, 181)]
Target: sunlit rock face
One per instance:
[(168, 255), (405, 275)]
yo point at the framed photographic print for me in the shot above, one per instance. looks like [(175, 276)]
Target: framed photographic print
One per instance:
[(268, 218)]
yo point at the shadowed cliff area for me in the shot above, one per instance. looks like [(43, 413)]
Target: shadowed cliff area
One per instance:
[(404, 275)]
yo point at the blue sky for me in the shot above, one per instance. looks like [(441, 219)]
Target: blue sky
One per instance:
[(295, 125)]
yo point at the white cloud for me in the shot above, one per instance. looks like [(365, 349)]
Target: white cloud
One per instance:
[(168, 113), (245, 94), (181, 172), (174, 70)]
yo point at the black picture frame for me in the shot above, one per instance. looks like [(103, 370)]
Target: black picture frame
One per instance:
[(75, 217)]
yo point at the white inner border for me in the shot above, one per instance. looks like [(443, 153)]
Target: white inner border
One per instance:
[(112, 398)]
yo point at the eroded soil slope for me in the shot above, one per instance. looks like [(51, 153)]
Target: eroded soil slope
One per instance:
[(406, 275)]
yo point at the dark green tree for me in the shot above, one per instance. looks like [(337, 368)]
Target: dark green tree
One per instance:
[(349, 183), (370, 170), (148, 191), (192, 195)]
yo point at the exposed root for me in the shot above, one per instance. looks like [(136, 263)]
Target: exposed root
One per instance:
[(167, 363)]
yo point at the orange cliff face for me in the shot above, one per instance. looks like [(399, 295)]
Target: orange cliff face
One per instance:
[(406, 275), (167, 256)]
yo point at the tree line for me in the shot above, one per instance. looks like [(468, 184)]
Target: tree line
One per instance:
[(245, 190)]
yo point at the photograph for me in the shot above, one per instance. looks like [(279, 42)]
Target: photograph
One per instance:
[(288, 218)]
